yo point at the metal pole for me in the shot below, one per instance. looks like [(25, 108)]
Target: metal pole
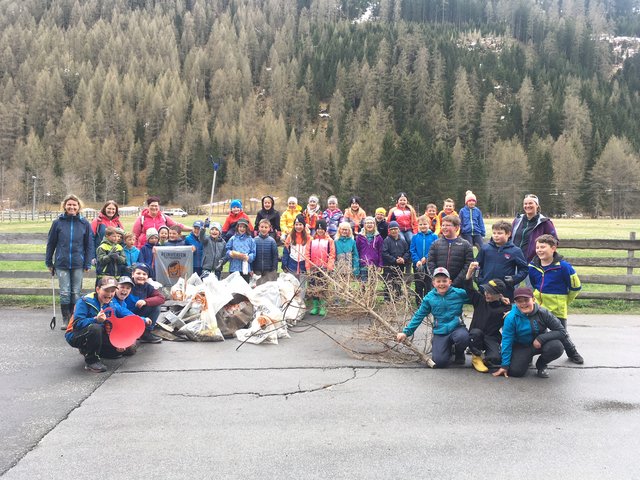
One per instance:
[(33, 208), (213, 184)]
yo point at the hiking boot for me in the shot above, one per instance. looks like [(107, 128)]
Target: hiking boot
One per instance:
[(543, 373), (314, 309), (478, 364), (96, 367), (576, 358), (66, 315), (148, 337)]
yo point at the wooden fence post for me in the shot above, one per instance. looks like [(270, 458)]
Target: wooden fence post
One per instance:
[(630, 253)]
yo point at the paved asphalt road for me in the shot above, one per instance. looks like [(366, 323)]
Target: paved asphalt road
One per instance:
[(305, 409)]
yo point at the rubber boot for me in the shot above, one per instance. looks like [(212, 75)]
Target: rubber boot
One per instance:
[(314, 310), (478, 364), (65, 308), (323, 308)]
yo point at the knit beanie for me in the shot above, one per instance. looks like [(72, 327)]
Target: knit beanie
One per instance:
[(300, 219), (469, 196), (381, 210), (236, 203), (151, 232)]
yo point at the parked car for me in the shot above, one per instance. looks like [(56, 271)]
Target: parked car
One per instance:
[(175, 212)]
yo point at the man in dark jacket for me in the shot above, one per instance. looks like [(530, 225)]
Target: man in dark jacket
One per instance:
[(529, 330), (396, 259), (451, 252)]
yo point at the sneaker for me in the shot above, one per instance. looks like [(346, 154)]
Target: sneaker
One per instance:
[(130, 350), (576, 358), (96, 367), (148, 337), (478, 364), (543, 373)]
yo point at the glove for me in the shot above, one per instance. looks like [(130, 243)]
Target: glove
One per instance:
[(508, 280), (206, 222), (114, 256)]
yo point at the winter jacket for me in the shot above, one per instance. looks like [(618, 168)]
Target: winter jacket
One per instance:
[(288, 218), (244, 244), (525, 233), (446, 310), (132, 254), (70, 243), (86, 310), (383, 228), (229, 227), (392, 249), (293, 254), (272, 215), (355, 218), (433, 224), (147, 292), (105, 263), (320, 253), (213, 251), (333, 218), (487, 316), (454, 255), (175, 243), (439, 218), (194, 241), (146, 257), (502, 261), (347, 251), (517, 329), (266, 259), (406, 218), (420, 245), (555, 286), (471, 221), (369, 249), (146, 221), (99, 226)]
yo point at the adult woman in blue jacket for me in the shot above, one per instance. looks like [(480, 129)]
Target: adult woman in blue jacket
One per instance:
[(69, 253)]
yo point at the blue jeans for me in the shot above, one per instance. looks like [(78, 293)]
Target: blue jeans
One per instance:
[(476, 240), (70, 285), (441, 350), (408, 235)]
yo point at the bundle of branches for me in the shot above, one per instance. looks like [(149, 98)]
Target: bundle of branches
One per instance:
[(385, 313)]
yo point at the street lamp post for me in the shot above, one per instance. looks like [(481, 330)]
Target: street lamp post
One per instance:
[(33, 208)]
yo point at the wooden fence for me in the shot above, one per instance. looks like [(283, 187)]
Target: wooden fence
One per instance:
[(630, 262)]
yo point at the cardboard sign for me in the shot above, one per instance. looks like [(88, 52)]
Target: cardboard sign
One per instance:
[(173, 263)]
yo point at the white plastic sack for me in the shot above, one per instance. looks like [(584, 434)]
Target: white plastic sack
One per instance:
[(262, 330)]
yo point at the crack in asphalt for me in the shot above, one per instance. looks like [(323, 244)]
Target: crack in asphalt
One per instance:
[(286, 395)]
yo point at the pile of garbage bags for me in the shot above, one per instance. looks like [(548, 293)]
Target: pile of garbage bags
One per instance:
[(213, 310)]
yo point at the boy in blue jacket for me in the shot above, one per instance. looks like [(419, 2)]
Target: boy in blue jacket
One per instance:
[(193, 239), (420, 244), (241, 250), (471, 221), (87, 332), (265, 262), (529, 330), (500, 258), (445, 303)]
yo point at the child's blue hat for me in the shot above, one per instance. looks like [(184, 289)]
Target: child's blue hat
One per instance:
[(197, 224), (236, 203)]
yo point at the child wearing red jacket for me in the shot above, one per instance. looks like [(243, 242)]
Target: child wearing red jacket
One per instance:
[(236, 213)]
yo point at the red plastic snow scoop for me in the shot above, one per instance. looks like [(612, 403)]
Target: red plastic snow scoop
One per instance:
[(126, 330)]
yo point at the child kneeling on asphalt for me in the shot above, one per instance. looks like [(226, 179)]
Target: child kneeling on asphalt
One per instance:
[(445, 303)]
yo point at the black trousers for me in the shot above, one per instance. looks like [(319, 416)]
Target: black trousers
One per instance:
[(93, 343), (568, 344), (489, 344), (522, 355), (422, 283)]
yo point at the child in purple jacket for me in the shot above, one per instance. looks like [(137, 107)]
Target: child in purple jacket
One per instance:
[(369, 245)]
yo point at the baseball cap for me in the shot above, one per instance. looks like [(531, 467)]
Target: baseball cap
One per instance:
[(494, 287), (107, 282), (125, 279), (197, 224), (523, 292), (243, 221), (441, 271)]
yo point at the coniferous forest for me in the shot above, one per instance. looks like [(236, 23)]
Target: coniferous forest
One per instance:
[(116, 98)]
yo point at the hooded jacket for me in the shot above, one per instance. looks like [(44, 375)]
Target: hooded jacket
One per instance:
[(320, 253), (242, 243), (70, 239), (502, 261), (293, 254), (146, 221), (369, 249), (229, 227), (288, 218), (487, 316), (406, 218), (454, 255), (525, 233), (272, 215), (347, 251), (86, 310), (555, 285), (213, 251), (420, 245), (333, 218), (471, 221), (517, 329), (446, 310)]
